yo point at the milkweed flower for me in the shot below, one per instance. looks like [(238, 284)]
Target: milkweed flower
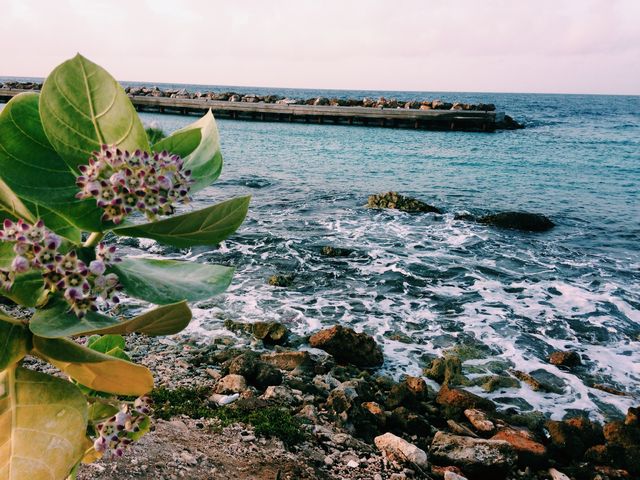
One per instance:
[(122, 181)]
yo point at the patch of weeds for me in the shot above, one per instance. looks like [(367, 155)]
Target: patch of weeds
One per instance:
[(271, 421)]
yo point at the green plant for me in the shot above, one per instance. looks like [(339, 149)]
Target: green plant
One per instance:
[(76, 165), (154, 134)]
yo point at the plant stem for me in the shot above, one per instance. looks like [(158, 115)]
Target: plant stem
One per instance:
[(93, 239)]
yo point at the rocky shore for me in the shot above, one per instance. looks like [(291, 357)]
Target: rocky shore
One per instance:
[(269, 405)]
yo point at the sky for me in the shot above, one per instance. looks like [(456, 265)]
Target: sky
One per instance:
[(547, 46)]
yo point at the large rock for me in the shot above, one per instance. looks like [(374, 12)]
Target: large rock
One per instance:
[(474, 456), (348, 346), (231, 384), (268, 332), (398, 450), (530, 452), (395, 201), (528, 222), (569, 439), (459, 399), (565, 358)]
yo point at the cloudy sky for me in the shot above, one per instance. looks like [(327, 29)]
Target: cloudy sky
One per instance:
[(561, 46)]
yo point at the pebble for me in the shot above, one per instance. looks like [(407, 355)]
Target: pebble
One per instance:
[(353, 464)]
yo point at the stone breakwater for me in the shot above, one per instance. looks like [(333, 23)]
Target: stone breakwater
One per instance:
[(429, 114)]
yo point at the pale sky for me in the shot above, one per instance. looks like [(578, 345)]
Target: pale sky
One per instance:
[(555, 46)]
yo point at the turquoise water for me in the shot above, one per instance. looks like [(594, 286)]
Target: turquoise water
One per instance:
[(422, 283)]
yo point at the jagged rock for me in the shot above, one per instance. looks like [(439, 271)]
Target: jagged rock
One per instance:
[(571, 438), (479, 420), (280, 394), (398, 450), (348, 346), (410, 392), (530, 452), (536, 384), (565, 359), (449, 475), (491, 383), (557, 475), (473, 455), (321, 101), (406, 421), (395, 201), (446, 370), (528, 222), (460, 429), (268, 332), (633, 417), (461, 399), (235, 98), (288, 360), (281, 280), (232, 383), (256, 372)]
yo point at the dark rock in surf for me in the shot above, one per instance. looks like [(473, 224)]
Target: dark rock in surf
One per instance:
[(524, 221), (348, 346)]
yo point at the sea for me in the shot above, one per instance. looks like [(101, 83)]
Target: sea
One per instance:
[(427, 284)]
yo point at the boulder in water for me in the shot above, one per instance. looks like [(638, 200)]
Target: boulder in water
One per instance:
[(527, 222), (348, 346), (395, 201)]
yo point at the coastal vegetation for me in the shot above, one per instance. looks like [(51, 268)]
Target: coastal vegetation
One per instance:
[(77, 173)]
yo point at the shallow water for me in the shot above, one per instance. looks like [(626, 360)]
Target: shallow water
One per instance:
[(423, 283)]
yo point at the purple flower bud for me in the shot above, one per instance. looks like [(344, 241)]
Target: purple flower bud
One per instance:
[(20, 264), (97, 267)]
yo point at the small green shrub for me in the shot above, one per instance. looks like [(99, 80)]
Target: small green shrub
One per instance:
[(154, 134), (271, 421)]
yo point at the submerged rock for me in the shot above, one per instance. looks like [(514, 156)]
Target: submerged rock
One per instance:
[(281, 280), (527, 222), (474, 456), (399, 450), (348, 346), (329, 251), (446, 370), (395, 201)]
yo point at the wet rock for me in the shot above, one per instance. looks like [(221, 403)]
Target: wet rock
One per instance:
[(231, 384), (329, 251), (571, 438), (400, 451), (479, 420), (459, 399), (473, 455), (446, 370), (530, 452), (394, 200), (460, 429), (619, 433), (491, 383), (269, 332), (256, 372), (410, 392), (348, 346), (376, 412), (609, 389), (528, 222), (633, 417), (406, 421), (565, 359), (536, 384), (281, 280)]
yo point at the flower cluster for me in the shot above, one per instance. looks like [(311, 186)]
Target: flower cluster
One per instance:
[(122, 182), (39, 249), (115, 434)]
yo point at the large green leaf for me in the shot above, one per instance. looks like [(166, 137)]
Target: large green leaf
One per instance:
[(170, 281), (43, 422), (27, 287), (10, 205), (83, 107), (57, 321), (15, 341), (93, 369), (208, 226), (34, 171), (163, 320), (205, 160)]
